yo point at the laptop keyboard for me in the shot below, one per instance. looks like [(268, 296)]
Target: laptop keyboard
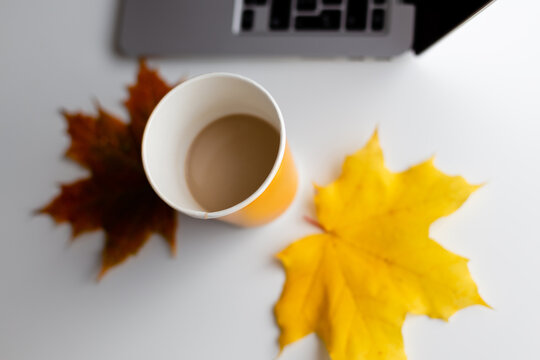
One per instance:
[(262, 16)]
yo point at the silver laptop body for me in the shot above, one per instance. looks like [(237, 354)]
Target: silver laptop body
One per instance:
[(320, 28)]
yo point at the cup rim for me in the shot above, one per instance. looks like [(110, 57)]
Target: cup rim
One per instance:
[(201, 214)]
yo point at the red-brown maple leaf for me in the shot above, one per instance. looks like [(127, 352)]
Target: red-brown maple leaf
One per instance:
[(116, 196)]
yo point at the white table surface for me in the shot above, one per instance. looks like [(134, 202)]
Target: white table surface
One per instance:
[(473, 101)]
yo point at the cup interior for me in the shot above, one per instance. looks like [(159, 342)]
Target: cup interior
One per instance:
[(178, 119)]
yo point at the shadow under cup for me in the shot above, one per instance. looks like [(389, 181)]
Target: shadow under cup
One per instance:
[(179, 118)]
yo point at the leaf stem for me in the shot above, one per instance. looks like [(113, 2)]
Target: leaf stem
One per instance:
[(313, 222)]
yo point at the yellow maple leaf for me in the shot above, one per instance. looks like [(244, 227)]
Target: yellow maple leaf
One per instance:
[(355, 283)]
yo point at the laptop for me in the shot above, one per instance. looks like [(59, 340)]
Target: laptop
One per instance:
[(306, 28)]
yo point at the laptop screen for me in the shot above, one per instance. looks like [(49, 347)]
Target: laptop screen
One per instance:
[(435, 19)]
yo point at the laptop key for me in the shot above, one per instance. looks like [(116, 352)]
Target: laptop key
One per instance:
[(331, 2), (306, 4), (255, 2), (377, 20), (280, 14), (356, 14), (247, 20), (327, 20)]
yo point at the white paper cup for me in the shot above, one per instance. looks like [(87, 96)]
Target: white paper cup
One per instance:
[(178, 119)]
